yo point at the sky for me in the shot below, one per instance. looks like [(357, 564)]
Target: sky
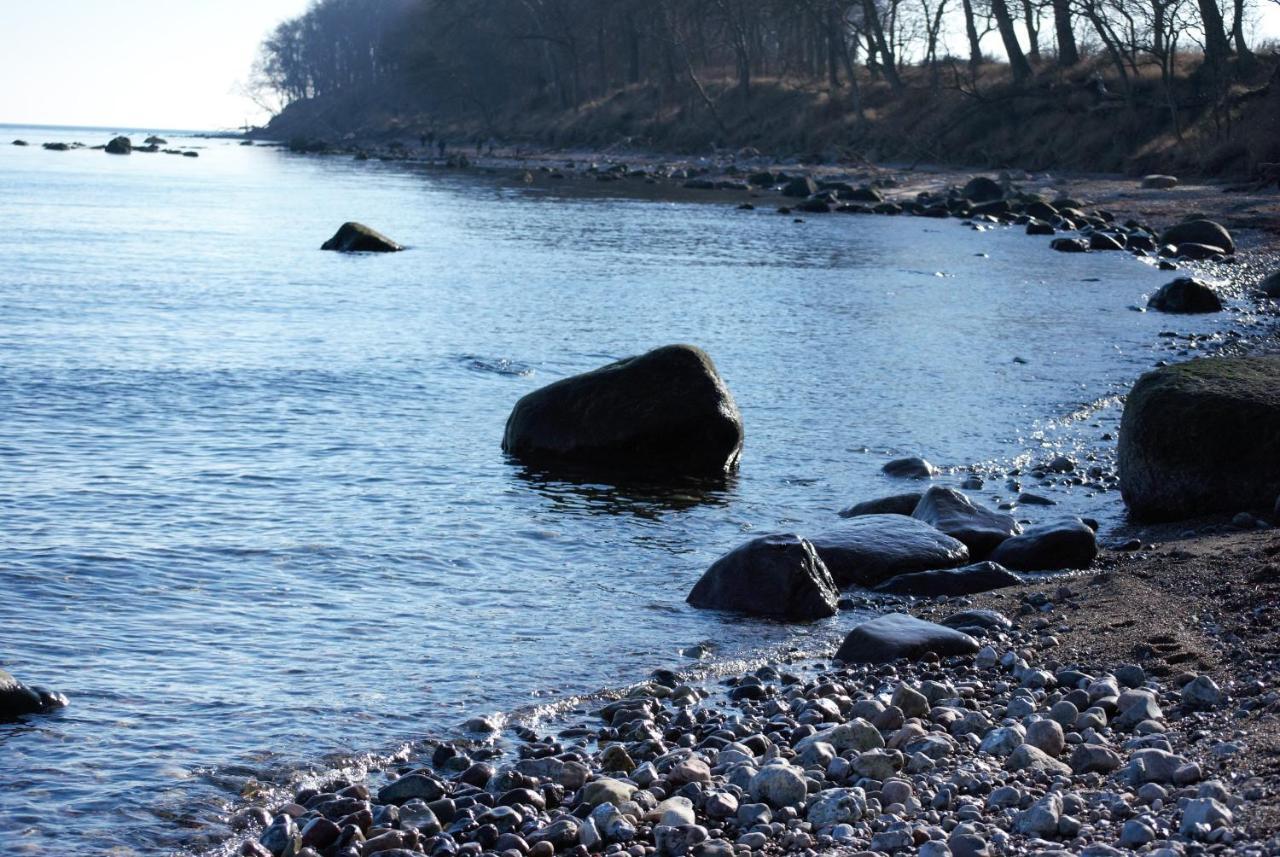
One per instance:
[(175, 64), (141, 63)]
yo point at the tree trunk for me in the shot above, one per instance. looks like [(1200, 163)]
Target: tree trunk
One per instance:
[(971, 32), (1216, 48), (1032, 17), (1018, 64), (1068, 53)]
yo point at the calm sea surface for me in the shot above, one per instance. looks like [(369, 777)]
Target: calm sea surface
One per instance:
[(254, 515)]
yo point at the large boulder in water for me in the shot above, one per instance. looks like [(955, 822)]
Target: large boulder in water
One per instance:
[(897, 504), (120, 146), (1186, 295), (1049, 547), (1202, 437), (666, 411), (1270, 285), (914, 467), (1199, 232), (898, 635), (982, 189), (872, 548), (17, 699), (953, 513), (966, 580), (354, 237), (778, 575)]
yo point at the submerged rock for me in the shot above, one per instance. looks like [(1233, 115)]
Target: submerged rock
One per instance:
[(910, 468), (1202, 437), (777, 575), (899, 635), (897, 504), (953, 513), (354, 237), (1049, 547), (966, 580), (870, 549), (667, 411), (1199, 232), (1186, 295)]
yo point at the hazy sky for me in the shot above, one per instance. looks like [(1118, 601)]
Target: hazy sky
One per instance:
[(140, 63), (169, 63)]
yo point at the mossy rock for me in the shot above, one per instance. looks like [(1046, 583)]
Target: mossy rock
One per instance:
[(1202, 437)]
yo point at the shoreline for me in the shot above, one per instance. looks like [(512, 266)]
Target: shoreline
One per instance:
[(1108, 619)]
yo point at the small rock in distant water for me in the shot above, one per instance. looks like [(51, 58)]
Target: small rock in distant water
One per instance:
[(354, 237), (910, 468), (20, 142), (153, 140), (1159, 182), (56, 147), (190, 154), (119, 146), (1070, 245)]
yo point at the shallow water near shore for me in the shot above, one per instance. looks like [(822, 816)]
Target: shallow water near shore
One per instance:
[(256, 516)]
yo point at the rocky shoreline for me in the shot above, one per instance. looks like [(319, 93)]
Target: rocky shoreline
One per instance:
[(1040, 741)]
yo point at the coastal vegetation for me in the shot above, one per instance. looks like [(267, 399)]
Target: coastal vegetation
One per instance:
[(1135, 85)]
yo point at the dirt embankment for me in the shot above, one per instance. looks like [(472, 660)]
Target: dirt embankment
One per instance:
[(1063, 120)]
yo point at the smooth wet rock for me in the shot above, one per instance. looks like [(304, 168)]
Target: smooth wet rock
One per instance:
[(910, 468), (1186, 295), (1159, 182), (971, 621), (966, 580), (897, 504), (354, 237), (411, 786), (1069, 245), (951, 512), (899, 635), (1202, 437), (1049, 547), (1199, 232), (778, 575), (869, 549), (1270, 285), (18, 699), (666, 412)]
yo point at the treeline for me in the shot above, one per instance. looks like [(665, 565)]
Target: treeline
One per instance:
[(487, 55)]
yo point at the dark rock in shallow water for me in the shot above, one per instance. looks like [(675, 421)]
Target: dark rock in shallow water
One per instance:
[(357, 238), (800, 188), (19, 142), (1270, 286), (870, 549), (1202, 437), (666, 411), (1050, 547), (910, 468), (153, 140), (971, 621), (57, 147), (966, 580), (779, 575), (959, 517), (119, 146), (982, 189), (898, 504), (898, 635), (1070, 245), (1199, 232), (1104, 241), (1186, 295), (18, 699)]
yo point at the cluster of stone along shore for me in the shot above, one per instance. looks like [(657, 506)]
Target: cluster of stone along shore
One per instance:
[(997, 750)]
